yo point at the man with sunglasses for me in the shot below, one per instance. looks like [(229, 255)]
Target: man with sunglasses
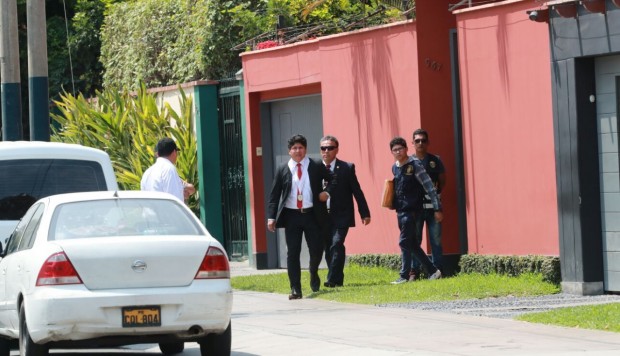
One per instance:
[(341, 209), (410, 183), (436, 170)]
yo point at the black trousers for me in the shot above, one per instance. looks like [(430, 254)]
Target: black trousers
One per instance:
[(297, 226), (335, 253)]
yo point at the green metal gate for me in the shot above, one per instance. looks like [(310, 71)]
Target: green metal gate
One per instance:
[(233, 176)]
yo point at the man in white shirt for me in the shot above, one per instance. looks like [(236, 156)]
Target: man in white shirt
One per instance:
[(162, 176)]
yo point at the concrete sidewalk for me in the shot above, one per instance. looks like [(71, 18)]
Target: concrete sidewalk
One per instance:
[(270, 324)]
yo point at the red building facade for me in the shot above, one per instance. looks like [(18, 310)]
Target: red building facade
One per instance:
[(483, 81)]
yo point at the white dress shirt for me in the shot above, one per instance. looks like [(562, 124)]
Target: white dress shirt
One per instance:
[(163, 177), (303, 185)]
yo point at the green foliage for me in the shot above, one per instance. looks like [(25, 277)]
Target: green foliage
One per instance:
[(85, 45), (59, 74), (548, 266), (371, 285), (253, 18), (127, 126), (597, 317), (390, 261), (165, 42)]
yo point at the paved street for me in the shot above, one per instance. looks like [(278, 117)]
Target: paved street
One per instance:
[(270, 324)]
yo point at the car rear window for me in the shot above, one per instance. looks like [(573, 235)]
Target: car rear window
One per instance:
[(25, 181), (121, 217)]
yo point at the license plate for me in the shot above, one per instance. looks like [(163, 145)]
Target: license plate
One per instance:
[(141, 316)]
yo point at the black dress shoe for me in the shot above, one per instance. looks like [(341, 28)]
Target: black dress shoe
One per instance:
[(295, 294), (315, 282)]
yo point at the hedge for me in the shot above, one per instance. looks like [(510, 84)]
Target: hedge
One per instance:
[(548, 266)]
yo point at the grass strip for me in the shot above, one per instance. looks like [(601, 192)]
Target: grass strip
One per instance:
[(371, 285), (598, 317)]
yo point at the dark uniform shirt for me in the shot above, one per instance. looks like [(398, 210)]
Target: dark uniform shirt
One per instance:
[(434, 167), (410, 182)]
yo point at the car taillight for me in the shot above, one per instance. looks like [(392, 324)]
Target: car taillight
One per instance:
[(214, 265), (57, 270)]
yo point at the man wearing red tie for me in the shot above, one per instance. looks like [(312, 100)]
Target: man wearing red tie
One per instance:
[(297, 204)]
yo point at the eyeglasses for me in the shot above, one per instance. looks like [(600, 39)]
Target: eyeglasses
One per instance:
[(328, 148), (397, 149), (421, 140)]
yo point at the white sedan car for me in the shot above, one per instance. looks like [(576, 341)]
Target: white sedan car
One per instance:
[(107, 269)]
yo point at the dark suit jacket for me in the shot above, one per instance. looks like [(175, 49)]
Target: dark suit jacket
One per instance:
[(281, 188), (345, 186)]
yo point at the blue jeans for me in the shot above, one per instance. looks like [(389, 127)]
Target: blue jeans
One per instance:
[(434, 233), (409, 245)]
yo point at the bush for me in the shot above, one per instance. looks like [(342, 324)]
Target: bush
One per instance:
[(127, 126), (376, 260), (548, 266)]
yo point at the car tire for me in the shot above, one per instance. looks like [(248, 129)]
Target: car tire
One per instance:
[(171, 348), (5, 347), (27, 347), (217, 344)]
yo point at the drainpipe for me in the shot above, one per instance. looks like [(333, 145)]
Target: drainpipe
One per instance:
[(9, 63)]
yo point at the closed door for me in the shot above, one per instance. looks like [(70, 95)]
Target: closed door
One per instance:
[(607, 107), (289, 117)]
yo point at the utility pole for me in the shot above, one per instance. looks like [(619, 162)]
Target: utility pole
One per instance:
[(38, 92), (9, 63)]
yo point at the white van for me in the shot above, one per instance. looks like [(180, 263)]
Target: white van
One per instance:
[(30, 171)]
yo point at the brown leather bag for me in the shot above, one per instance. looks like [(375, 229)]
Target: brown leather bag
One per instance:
[(387, 200)]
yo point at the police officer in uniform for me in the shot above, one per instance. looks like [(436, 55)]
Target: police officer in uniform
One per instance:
[(410, 183), (436, 170)]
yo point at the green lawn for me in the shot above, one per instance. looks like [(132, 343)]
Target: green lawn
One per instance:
[(598, 317), (364, 285)]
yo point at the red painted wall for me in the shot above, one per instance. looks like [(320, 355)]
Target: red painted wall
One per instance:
[(371, 94), (379, 83), (436, 112), (369, 86), (508, 130)]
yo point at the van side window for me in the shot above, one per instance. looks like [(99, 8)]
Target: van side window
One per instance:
[(25, 181)]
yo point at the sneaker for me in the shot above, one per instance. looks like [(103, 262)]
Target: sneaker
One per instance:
[(435, 275), (400, 281)]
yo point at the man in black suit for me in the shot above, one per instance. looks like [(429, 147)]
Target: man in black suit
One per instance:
[(297, 203), (341, 211)]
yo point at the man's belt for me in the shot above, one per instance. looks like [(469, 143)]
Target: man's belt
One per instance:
[(302, 210)]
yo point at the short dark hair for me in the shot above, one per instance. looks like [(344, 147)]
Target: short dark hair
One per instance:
[(420, 132), (398, 141), (166, 146), (297, 139), (330, 138)]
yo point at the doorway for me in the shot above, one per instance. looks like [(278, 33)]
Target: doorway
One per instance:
[(303, 115), (607, 108)]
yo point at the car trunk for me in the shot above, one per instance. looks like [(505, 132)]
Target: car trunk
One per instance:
[(136, 261)]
